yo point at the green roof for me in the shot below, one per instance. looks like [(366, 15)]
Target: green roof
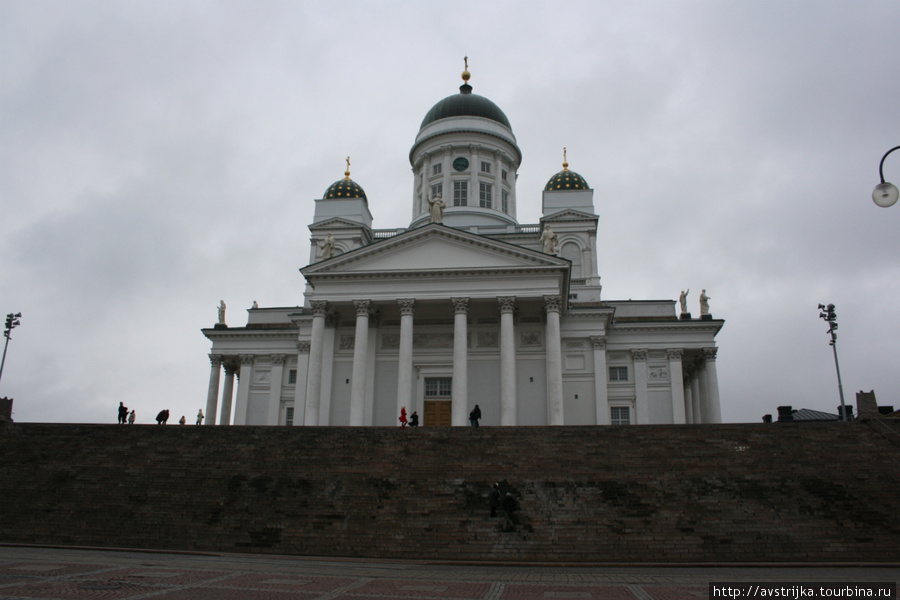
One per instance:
[(345, 188), (465, 104), (566, 180)]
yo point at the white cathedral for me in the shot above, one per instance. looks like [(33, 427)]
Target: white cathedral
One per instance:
[(464, 307)]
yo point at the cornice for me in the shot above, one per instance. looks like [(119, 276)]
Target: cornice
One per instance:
[(437, 274), (234, 333), (674, 325)]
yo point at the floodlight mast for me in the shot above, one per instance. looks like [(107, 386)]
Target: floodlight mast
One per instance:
[(12, 321), (831, 318)]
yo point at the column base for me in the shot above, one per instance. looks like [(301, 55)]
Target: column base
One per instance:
[(706, 317), (685, 316), (220, 326)]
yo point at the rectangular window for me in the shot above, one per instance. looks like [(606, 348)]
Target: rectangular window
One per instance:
[(618, 373), (292, 376), (289, 416), (504, 199), (436, 169), (485, 167), (503, 174), (485, 194), (620, 415), (437, 190), (460, 193), (438, 387)]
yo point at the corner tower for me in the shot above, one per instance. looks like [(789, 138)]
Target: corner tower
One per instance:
[(466, 153)]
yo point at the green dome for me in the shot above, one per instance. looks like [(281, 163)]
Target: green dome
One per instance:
[(566, 180), (345, 188), (465, 104)]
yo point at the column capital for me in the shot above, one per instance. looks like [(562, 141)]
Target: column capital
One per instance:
[(278, 359), (709, 354), (598, 341), (460, 305), (247, 359), (407, 306), (319, 308), (507, 304), (553, 303), (674, 353), (363, 307), (639, 353), (303, 347), (215, 360)]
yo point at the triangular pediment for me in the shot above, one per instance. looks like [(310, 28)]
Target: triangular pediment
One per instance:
[(435, 248), (569, 214), (335, 223)]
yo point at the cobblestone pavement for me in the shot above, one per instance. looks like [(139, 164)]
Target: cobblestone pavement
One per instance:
[(51, 573)]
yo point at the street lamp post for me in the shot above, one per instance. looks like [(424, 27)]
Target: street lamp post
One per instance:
[(12, 320), (885, 193), (831, 318)]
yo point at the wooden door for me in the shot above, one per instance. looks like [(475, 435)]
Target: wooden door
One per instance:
[(437, 413)]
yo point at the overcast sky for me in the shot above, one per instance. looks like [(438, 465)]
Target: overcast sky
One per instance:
[(158, 156)]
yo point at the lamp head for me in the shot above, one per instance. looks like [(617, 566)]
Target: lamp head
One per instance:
[(885, 194)]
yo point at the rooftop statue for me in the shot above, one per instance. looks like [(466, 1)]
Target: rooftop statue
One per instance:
[(704, 303), (548, 240), (436, 209)]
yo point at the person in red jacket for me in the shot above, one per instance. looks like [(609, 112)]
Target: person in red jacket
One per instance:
[(402, 417)]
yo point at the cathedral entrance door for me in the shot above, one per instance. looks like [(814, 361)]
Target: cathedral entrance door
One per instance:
[(437, 402), (437, 413)]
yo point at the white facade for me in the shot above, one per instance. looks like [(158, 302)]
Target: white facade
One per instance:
[(441, 316)]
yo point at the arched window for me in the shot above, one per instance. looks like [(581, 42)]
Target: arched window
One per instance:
[(572, 252)]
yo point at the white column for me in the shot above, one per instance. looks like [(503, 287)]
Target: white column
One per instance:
[(553, 306), (601, 377), (712, 386), (447, 170), (227, 394), (688, 400), (641, 395), (704, 393), (474, 170), (300, 389), (360, 354), (405, 360), (276, 379), (695, 395), (314, 378), (212, 396), (460, 386), (243, 395), (676, 379), (508, 408)]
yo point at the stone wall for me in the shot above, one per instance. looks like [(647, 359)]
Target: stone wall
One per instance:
[(806, 492)]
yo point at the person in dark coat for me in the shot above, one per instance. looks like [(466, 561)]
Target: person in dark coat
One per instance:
[(414, 419), (509, 507), (474, 416), (495, 499), (123, 413), (162, 417)]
